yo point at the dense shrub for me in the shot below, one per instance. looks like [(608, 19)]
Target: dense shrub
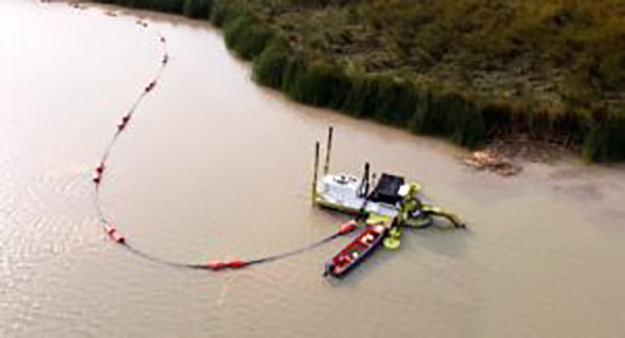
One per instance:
[(197, 9), (606, 139), (246, 36), (345, 54)]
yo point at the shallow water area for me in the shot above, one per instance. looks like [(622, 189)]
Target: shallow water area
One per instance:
[(214, 166)]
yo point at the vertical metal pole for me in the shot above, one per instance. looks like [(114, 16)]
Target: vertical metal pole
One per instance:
[(326, 167), (373, 180), (314, 183), (366, 179), (363, 188)]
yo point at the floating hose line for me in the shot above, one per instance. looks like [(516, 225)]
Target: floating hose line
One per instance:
[(114, 234)]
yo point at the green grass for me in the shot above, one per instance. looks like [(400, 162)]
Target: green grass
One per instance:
[(169, 6), (246, 36), (467, 70), (197, 9), (606, 139)]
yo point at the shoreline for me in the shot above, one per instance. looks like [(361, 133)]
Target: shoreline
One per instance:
[(456, 115)]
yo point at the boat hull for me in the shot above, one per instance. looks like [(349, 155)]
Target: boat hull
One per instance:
[(372, 208), (356, 252)]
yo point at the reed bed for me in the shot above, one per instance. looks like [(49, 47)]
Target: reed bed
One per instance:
[(321, 65)]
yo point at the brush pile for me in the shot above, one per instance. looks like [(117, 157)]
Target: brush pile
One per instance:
[(493, 161)]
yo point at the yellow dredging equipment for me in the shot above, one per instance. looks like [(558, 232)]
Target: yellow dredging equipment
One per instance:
[(392, 201)]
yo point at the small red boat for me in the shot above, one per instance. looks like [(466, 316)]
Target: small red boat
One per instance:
[(356, 251)]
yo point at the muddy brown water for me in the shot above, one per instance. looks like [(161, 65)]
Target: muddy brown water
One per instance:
[(214, 166)]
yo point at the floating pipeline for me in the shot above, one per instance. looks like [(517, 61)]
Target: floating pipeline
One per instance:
[(116, 236)]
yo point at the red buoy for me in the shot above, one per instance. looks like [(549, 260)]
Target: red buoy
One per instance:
[(347, 227), (237, 263), (99, 169), (150, 86), (122, 124), (97, 177), (117, 237), (216, 265), (109, 228)]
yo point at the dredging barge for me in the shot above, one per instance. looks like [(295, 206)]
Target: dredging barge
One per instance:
[(384, 211)]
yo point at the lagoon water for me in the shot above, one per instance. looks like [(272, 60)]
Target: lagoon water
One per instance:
[(214, 166)]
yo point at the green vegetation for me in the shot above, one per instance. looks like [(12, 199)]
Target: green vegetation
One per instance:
[(169, 6), (463, 69)]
